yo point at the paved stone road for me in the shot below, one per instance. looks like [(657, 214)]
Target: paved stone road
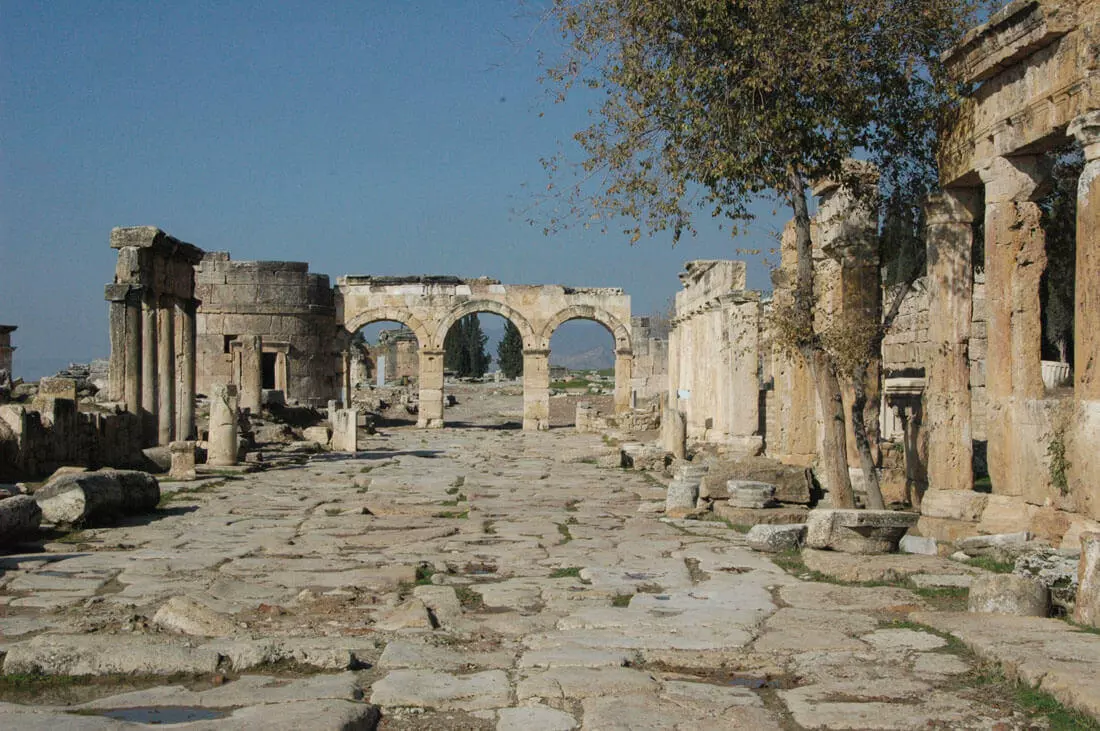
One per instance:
[(473, 578)]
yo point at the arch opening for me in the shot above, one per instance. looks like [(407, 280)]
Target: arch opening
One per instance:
[(381, 370), (482, 368)]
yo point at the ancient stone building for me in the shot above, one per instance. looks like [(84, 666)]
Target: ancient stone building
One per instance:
[(1035, 71), (289, 308), (396, 353), (713, 372), (152, 328)]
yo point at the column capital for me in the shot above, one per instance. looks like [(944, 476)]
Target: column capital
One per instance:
[(1086, 129), (120, 292), (957, 205), (1015, 179)]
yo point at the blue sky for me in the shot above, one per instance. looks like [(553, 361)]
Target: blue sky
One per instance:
[(376, 137)]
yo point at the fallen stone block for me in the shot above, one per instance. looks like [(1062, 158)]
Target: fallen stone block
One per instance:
[(760, 516), (97, 497), (792, 484), (857, 531), (413, 614), (681, 498), (20, 517), (105, 655), (1022, 596), (318, 434), (775, 538), (185, 615), (183, 460), (1056, 570), (1087, 610), (1001, 546), (918, 544), (954, 504)]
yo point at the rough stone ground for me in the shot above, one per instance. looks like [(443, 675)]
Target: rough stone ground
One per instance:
[(459, 579)]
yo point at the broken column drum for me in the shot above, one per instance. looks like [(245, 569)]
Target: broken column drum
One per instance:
[(222, 449)]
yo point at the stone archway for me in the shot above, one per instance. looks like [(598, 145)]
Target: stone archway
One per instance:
[(430, 305), (412, 322)]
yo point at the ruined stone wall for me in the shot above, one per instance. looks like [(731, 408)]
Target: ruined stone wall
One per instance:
[(6, 349), (650, 360), (282, 302), (34, 443)]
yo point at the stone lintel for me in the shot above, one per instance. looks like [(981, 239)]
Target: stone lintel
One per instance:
[(1016, 31), (151, 237)]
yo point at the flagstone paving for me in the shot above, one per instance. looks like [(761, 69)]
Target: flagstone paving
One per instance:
[(460, 578)]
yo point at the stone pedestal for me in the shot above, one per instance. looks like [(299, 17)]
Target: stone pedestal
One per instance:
[(857, 531), (536, 389), (345, 431), (1087, 610), (183, 460), (430, 409), (222, 447)]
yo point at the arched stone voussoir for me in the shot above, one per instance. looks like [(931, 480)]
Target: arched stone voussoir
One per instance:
[(394, 314), (619, 331), (471, 307)]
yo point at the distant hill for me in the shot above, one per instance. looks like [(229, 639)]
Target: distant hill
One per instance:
[(577, 345), (590, 360)]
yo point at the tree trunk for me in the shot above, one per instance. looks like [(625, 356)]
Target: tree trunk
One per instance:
[(863, 444), (834, 456)]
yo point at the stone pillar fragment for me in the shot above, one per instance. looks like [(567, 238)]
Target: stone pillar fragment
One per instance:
[(536, 389), (345, 432), (250, 372), (1087, 608), (222, 446), (149, 369), (949, 239), (624, 369), (183, 460), (166, 372), (185, 370), (430, 414), (1086, 337)]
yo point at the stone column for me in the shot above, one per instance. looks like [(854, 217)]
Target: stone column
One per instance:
[(251, 373), (1015, 257), (536, 389), (1086, 336), (624, 372), (222, 447), (166, 371), (185, 370), (149, 368), (116, 295), (430, 415), (126, 325), (345, 377), (949, 238), (673, 367), (281, 374)]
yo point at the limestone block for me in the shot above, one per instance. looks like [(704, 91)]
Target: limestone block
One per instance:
[(954, 504), (775, 538), (19, 519), (998, 544), (945, 530), (1056, 570), (857, 531), (62, 388), (318, 434), (183, 460), (187, 616), (1022, 596), (345, 430), (1072, 538), (1049, 523), (749, 494), (766, 516), (681, 498), (413, 614), (918, 545), (792, 483), (1087, 610), (1006, 514)]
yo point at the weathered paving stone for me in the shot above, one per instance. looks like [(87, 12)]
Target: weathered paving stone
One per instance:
[(104, 655), (427, 689)]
